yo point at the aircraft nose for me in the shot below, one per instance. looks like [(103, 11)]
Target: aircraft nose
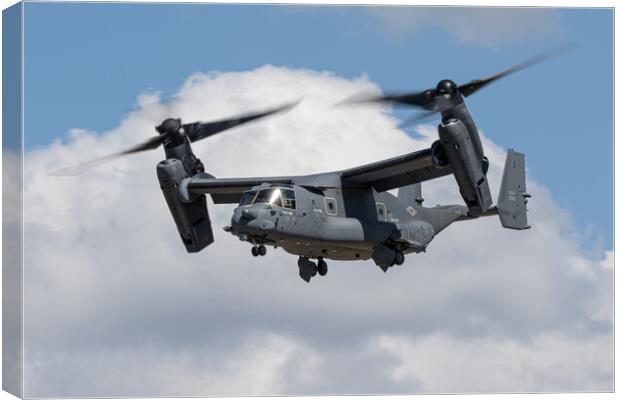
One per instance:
[(259, 219), (262, 225), (249, 213)]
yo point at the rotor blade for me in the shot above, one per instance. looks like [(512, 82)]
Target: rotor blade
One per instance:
[(417, 99), (417, 118), (200, 130), (149, 144), (473, 86), (433, 108)]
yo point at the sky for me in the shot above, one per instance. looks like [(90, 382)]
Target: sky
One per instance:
[(98, 58), (128, 313)]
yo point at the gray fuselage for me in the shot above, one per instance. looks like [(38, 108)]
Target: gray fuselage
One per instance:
[(341, 223)]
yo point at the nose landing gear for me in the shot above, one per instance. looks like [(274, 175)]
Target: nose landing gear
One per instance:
[(259, 250)]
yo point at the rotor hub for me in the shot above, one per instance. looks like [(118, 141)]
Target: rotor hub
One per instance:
[(170, 125), (446, 86)]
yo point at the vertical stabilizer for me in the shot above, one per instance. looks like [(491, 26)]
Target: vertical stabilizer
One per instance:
[(411, 194), (512, 202)]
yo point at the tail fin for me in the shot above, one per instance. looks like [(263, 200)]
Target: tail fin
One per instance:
[(511, 205), (411, 194)]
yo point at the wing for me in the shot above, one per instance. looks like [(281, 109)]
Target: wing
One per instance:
[(383, 175), (229, 190), (396, 172)]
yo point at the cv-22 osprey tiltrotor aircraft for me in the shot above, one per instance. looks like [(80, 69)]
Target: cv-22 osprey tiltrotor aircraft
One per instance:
[(348, 214)]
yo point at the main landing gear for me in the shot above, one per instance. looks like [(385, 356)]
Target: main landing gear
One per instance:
[(259, 250), (322, 267), (309, 269), (386, 257), (399, 258)]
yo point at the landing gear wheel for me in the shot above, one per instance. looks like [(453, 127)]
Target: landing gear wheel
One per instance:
[(307, 269), (262, 250), (255, 251), (322, 268), (399, 259)]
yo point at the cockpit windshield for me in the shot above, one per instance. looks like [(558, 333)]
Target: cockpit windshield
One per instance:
[(247, 198), (269, 196), (279, 197)]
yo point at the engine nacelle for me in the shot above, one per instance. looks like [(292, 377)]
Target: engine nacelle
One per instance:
[(191, 218), (183, 152), (438, 155), (467, 168)]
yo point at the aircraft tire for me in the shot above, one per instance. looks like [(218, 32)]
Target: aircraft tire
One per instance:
[(314, 270), (262, 250), (322, 268), (255, 251), (399, 259)]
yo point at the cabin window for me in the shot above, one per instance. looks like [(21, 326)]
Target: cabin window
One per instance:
[(288, 197), (331, 207), (381, 211)]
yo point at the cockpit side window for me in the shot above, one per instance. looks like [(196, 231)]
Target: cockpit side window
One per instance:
[(288, 196), (247, 197)]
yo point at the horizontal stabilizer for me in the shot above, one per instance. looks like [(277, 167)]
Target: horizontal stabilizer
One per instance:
[(512, 202)]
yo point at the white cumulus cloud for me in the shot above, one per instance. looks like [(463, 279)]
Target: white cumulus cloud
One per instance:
[(489, 26), (501, 365), (114, 306)]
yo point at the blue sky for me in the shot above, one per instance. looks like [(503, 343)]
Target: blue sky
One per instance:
[(85, 64)]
